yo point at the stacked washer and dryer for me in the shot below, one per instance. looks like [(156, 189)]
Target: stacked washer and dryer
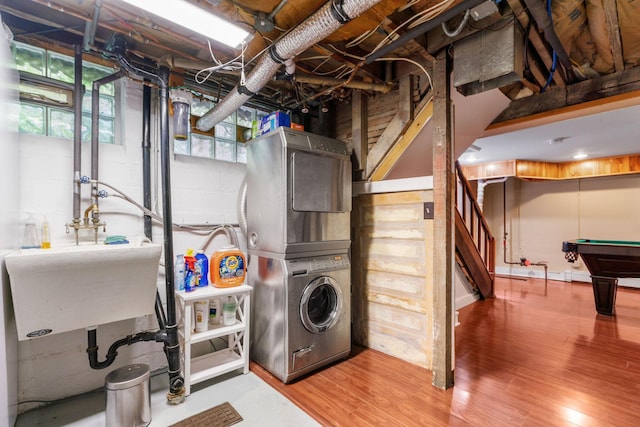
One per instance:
[(298, 203)]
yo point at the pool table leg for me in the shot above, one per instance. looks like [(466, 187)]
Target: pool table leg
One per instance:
[(604, 292)]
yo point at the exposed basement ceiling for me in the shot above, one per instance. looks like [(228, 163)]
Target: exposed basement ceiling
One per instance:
[(592, 38)]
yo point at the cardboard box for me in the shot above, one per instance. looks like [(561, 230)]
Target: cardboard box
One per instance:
[(273, 121)]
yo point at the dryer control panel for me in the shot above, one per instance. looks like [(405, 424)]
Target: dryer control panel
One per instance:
[(302, 266)]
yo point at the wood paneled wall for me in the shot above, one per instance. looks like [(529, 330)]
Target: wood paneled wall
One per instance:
[(380, 110), (392, 275)]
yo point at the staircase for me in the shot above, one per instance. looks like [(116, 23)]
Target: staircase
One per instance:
[(475, 245)]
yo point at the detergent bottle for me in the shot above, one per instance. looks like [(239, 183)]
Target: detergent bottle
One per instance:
[(202, 269), (227, 267)]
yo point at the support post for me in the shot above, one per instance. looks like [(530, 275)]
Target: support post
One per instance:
[(443, 224), (359, 131)]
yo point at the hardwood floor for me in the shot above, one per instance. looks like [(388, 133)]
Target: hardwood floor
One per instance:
[(535, 355)]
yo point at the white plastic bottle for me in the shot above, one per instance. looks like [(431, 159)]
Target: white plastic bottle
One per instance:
[(201, 314), (179, 273), (214, 312), (229, 311)]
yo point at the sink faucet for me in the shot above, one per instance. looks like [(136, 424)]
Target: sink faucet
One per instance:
[(93, 222), (90, 223)]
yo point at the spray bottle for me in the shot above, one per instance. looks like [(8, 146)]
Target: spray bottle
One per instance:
[(190, 283), (30, 237)]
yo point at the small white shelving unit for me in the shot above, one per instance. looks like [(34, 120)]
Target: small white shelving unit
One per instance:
[(235, 355)]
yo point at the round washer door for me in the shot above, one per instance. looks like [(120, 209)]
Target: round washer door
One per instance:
[(321, 304)]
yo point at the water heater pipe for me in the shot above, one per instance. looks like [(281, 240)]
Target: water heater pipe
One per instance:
[(314, 29)]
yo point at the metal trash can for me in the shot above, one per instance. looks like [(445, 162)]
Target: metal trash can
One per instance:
[(128, 395)]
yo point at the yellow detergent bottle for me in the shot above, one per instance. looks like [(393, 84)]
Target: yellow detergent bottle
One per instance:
[(227, 267)]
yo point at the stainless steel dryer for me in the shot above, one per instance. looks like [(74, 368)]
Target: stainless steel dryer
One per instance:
[(298, 193), (302, 315)]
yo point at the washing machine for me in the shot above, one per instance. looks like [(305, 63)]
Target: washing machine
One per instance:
[(301, 312)]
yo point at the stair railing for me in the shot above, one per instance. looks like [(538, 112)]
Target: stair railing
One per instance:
[(474, 221)]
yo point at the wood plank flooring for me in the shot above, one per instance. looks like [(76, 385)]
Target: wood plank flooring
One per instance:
[(536, 355)]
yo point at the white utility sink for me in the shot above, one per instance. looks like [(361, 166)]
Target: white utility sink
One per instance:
[(72, 287)]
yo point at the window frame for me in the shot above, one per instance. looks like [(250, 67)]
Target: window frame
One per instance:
[(49, 108)]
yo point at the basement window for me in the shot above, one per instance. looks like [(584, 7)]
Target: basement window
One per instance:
[(46, 97), (227, 141)]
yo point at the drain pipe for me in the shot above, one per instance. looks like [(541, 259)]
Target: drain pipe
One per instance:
[(90, 26), (146, 183), (314, 29), (171, 342), (482, 184), (92, 350)]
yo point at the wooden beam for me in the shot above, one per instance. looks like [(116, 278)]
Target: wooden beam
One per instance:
[(443, 224), (412, 45), (359, 131), (403, 143), (536, 40), (606, 93), (395, 128), (543, 22), (348, 62), (611, 16)]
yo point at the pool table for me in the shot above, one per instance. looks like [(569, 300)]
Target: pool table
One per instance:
[(606, 260)]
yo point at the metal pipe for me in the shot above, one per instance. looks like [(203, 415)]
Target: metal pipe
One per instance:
[(95, 132), (171, 342), (423, 28), (275, 11), (328, 81), (146, 184), (146, 156), (90, 26), (312, 30), (78, 93)]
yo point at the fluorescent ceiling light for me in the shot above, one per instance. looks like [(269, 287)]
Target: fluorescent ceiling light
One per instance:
[(195, 19), (580, 156)]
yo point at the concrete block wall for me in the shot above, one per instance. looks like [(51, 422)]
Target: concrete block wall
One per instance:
[(203, 191)]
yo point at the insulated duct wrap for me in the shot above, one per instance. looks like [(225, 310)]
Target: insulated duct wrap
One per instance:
[(311, 31)]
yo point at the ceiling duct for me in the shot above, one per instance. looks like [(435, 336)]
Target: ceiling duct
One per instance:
[(488, 59)]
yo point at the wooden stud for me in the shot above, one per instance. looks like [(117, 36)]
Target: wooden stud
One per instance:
[(611, 16), (359, 131), (422, 118), (443, 223), (395, 128)]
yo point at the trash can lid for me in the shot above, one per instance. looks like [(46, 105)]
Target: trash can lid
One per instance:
[(127, 376)]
